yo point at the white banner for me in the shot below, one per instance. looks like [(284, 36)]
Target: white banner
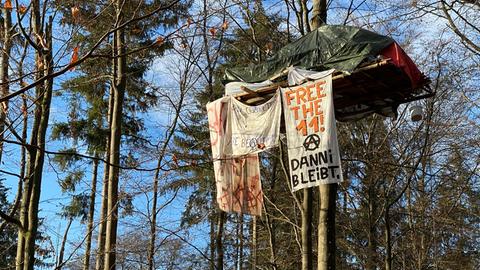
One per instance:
[(254, 128), (313, 153)]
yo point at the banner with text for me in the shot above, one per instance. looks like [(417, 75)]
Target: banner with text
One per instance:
[(313, 153), (254, 129)]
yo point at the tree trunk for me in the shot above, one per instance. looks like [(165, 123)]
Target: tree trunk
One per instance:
[(326, 227), (36, 180), (20, 190), (271, 238), (32, 153), (5, 87), (305, 11), (99, 260), (161, 155), (102, 220), (328, 193), (91, 214), (59, 263), (319, 13), (115, 137), (254, 243), (4, 90), (219, 239), (27, 187), (240, 249), (371, 262), (153, 221), (307, 213), (388, 241), (212, 244)]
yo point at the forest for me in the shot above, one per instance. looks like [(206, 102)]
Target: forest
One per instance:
[(105, 154)]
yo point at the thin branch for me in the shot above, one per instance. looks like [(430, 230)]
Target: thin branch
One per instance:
[(457, 31)]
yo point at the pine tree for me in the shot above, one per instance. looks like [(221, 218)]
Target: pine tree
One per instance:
[(121, 69), (8, 243)]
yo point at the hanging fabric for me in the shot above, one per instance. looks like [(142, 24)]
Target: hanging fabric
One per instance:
[(254, 128), (313, 153), (297, 76), (237, 178)]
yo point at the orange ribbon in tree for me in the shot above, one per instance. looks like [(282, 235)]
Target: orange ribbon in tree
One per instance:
[(74, 57), (8, 4)]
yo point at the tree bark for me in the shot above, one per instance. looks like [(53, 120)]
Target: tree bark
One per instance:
[(219, 239), (319, 13), (18, 197), (4, 76), (305, 11), (27, 187), (388, 240), (161, 155), (240, 249), (307, 213), (326, 227), (328, 192), (212, 243), (32, 151), (153, 221), (271, 238), (91, 214), (371, 262), (34, 198), (115, 137), (61, 253), (99, 260), (102, 220), (254, 243)]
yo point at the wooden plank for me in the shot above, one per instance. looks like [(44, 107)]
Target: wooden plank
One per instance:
[(375, 82)]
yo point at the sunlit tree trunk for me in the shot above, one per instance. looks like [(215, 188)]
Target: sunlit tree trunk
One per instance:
[(305, 10), (161, 155), (59, 264), (115, 137), (4, 76), (319, 13), (153, 221), (37, 173), (103, 208), (91, 213)]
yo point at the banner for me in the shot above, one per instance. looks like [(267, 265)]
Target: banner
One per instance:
[(254, 128), (313, 153), (237, 179)]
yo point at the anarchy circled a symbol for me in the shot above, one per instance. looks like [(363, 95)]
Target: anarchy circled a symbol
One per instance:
[(312, 142)]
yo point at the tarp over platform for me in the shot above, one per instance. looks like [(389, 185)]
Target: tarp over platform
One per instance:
[(342, 48), (372, 72)]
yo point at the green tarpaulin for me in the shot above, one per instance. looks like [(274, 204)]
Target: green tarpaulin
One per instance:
[(330, 46)]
